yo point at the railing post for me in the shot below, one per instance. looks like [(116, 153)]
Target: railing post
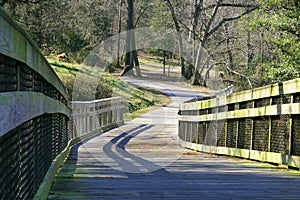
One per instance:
[(270, 129), (225, 132), (290, 129), (252, 127)]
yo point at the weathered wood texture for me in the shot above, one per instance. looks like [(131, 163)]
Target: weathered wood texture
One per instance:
[(34, 113), (89, 118), (35, 122), (261, 124), (16, 44), (225, 91), (192, 176), (143, 160)]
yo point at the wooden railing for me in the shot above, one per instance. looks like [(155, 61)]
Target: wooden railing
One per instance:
[(226, 91), (91, 116), (261, 124), (34, 114), (37, 128)]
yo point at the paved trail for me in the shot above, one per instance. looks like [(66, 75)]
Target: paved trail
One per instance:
[(142, 160)]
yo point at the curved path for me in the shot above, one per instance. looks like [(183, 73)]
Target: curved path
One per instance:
[(142, 160)]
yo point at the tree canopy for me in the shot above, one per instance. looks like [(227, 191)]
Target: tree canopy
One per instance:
[(254, 42), (281, 19)]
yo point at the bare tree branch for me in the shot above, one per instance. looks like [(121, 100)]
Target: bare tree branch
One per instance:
[(211, 20), (140, 15), (176, 23), (229, 19), (249, 80), (234, 5)]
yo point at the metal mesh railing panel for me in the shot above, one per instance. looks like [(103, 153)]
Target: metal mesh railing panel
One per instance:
[(245, 105), (26, 184), (26, 78), (244, 133), (194, 132), (261, 102), (260, 133), (221, 131), (182, 127), (201, 132), (295, 140), (280, 126), (231, 133), (9, 165), (8, 78), (281, 99), (211, 134)]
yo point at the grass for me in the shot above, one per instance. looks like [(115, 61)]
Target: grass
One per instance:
[(139, 99)]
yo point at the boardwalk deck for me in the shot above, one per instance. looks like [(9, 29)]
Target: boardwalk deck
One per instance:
[(142, 160)]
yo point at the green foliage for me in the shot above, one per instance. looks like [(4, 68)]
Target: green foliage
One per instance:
[(65, 26), (282, 19), (161, 16)]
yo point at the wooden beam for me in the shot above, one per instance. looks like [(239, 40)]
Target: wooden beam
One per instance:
[(272, 110), (16, 44), (287, 87), (19, 107), (271, 157)]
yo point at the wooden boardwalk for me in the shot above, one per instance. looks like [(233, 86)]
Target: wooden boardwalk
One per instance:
[(142, 160)]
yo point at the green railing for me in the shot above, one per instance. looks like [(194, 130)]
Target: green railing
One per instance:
[(261, 124)]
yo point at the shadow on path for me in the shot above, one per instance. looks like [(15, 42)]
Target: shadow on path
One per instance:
[(128, 162)]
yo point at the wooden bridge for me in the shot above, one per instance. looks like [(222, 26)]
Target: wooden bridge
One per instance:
[(51, 148)]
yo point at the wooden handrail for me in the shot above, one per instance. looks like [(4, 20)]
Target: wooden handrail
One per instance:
[(17, 44), (285, 88), (261, 124), (38, 124)]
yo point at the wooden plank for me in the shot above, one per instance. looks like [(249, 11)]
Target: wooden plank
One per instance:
[(97, 102), (191, 176), (19, 107), (287, 87), (143, 160), (273, 110), (97, 112), (271, 157)]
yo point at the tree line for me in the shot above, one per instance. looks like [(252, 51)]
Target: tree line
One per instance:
[(255, 42)]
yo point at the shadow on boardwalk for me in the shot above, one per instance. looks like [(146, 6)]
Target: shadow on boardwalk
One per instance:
[(192, 176), (142, 160)]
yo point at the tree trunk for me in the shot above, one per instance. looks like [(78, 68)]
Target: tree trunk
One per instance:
[(136, 63), (177, 27), (207, 33), (230, 56), (119, 31), (164, 63), (197, 73), (131, 56)]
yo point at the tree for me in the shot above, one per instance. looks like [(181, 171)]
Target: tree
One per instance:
[(212, 23), (72, 27), (280, 19), (177, 27), (131, 57), (119, 31)]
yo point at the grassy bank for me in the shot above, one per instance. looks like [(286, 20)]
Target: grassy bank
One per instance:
[(139, 99)]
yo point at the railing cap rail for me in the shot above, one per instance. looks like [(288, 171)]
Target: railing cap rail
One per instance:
[(119, 98), (27, 51), (281, 88)]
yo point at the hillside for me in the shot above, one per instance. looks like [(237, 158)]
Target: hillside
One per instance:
[(139, 99)]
